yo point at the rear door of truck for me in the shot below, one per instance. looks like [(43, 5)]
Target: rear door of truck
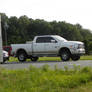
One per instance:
[(38, 46)]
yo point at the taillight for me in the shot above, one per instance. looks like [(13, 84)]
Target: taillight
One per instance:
[(10, 51)]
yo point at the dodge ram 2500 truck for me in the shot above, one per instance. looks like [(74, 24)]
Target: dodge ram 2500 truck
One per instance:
[(49, 46)]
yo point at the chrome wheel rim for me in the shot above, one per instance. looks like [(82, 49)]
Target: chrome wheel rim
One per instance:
[(64, 56), (21, 57)]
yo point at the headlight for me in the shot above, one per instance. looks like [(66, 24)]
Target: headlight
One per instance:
[(80, 46)]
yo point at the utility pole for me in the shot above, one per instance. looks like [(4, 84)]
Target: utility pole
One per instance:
[(6, 27), (1, 51)]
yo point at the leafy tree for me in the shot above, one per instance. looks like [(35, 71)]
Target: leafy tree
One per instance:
[(23, 29), (23, 22)]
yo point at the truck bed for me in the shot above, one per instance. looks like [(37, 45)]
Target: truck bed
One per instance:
[(26, 47)]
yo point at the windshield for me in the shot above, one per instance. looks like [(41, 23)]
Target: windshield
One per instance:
[(60, 38)]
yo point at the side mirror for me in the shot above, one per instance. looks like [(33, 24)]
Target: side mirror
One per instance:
[(53, 41)]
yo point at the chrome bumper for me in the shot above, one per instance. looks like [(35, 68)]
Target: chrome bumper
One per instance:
[(78, 51)]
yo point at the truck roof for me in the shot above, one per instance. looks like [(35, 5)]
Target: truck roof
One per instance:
[(46, 35)]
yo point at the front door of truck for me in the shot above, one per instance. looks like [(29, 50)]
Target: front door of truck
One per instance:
[(51, 45)]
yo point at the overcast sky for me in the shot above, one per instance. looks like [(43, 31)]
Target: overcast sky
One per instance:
[(71, 11)]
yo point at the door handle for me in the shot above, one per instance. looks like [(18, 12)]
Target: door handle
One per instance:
[(56, 46)]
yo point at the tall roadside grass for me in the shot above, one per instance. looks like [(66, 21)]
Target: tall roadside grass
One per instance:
[(43, 79)]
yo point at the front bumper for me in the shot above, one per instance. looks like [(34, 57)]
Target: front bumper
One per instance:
[(78, 51)]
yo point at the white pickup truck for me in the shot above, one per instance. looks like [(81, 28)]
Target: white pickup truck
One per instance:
[(49, 46)]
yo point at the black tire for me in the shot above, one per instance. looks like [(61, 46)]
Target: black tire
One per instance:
[(34, 59), (65, 55), (75, 57), (3, 61), (22, 56)]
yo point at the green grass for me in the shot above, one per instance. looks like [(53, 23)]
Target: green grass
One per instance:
[(46, 80), (86, 57)]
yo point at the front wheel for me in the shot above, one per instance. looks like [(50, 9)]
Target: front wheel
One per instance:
[(65, 55), (34, 58), (75, 57), (5, 59), (2, 62)]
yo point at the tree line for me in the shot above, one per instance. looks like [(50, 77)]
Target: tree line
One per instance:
[(22, 29)]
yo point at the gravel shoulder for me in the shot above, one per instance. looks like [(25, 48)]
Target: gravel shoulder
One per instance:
[(52, 64)]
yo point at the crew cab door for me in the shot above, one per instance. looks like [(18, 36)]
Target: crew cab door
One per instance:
[(51, 45), (38, 46), (45, 46)]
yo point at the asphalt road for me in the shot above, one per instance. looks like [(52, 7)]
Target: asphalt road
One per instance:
[(52, 64)]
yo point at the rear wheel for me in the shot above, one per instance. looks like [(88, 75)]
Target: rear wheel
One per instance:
[(34, 58), (65, 55), (22, 56), (75, 57)]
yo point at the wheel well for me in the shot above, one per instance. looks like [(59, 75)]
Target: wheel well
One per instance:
[(64, 49), (20, 51)]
